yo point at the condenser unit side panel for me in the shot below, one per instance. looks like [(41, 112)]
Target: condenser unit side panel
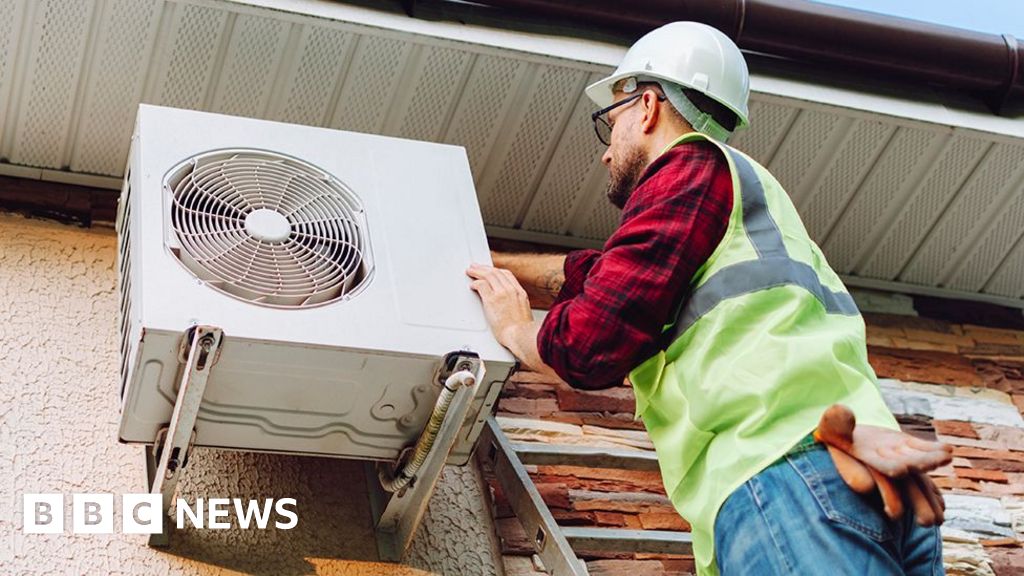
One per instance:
[(130, 268)]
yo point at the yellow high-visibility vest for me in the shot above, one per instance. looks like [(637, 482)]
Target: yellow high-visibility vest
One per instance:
[(767, 340)]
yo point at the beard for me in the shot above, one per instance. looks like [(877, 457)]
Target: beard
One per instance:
[(623, 176)]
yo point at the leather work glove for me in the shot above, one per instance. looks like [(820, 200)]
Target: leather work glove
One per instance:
[(896, 463)]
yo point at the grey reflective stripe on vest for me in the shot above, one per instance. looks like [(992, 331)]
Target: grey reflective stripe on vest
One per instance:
[(754, 275), (773, 266), (757, 221)]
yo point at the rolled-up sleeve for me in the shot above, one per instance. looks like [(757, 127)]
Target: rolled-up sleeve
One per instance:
[(615, 303), (577, 265)]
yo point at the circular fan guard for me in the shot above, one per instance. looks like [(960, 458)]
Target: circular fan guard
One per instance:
[(268, 228)]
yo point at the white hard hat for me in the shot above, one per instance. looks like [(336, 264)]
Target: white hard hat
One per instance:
[(690, 54)]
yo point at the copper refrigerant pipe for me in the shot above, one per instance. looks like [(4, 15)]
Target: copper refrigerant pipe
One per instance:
[(394, 480)]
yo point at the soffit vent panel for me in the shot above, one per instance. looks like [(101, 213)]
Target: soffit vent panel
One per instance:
[(313, 76), (973, 211), (485, 101), (550, 95), (1009, 278), (995, 242), (852, 161), (883, 191), (773, 122), (435, 79), (56, 47), (370, 84), (11, 33), (566, 181), (188, 55), (805, 150), (896, 189), (252, 63), (895, 245), (114, 86)]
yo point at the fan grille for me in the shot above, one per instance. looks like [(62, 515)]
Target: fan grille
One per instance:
[(268, 228)]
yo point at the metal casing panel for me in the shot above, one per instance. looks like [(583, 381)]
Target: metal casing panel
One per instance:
[(293, 398), (316, 380)]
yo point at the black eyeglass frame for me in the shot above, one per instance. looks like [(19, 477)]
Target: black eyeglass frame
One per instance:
[(598, 115)]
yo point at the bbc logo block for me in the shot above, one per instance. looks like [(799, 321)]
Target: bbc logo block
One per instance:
[(92, 513), (143, 513)]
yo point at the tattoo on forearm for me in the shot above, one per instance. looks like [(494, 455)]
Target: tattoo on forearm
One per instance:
[(552, 282)]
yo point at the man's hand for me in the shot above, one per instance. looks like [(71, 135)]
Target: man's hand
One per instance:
[(506, 305), (870, 457), (507, 310)]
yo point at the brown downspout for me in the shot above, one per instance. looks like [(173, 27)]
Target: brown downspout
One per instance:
[(895, 48)]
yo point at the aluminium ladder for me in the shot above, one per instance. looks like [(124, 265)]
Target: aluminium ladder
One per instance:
[(557, 545)]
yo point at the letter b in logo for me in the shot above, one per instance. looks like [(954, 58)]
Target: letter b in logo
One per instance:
[(43, 513), (93, 513)]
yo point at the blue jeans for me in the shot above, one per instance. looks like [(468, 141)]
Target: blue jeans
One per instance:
[(798, 517)]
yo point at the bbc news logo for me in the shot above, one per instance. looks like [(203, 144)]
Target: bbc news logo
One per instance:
[(141, 513)]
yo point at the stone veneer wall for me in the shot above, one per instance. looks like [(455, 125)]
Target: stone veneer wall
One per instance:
[(58, 423)]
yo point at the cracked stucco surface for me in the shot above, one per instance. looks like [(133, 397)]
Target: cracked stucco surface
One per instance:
[(59, 410)]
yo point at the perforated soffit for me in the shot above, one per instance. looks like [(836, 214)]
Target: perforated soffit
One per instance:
[(918, 198)]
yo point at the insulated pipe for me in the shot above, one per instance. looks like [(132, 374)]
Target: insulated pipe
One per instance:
[(898, 48), (394, 480)]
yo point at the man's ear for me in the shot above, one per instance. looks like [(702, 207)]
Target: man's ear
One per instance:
[(651, 111)]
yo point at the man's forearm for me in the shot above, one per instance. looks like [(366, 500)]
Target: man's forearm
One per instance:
[(541, 275), (521, 340)]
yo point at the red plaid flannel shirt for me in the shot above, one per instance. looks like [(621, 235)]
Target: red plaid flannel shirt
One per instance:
[(609, 316)]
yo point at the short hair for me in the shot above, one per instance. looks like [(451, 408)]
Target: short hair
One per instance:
[(725, 117)]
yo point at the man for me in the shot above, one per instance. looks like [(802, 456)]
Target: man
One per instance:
[(738, 339)]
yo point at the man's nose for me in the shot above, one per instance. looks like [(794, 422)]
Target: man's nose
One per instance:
[(606, 158)]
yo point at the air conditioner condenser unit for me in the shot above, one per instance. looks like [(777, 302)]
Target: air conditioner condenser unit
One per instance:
[(298, 290)]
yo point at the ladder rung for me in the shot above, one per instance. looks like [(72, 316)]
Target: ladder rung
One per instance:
[(539, 525), (586, 456), (622, 540), (557, 545)]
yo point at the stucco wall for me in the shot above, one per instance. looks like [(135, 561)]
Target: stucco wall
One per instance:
[(58, 421)]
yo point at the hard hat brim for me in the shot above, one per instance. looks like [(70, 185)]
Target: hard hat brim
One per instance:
[(600, 92)]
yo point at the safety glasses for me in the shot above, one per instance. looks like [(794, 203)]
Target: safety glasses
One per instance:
[(601, 126)]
